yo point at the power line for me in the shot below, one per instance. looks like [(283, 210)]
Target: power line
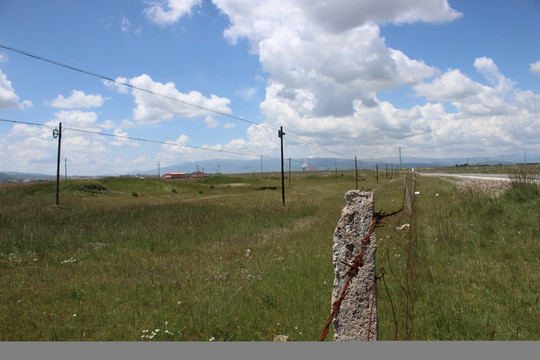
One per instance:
[(103, 77), (166, 143), (147, 140), (141, 139), (317, 145), (26, 123)]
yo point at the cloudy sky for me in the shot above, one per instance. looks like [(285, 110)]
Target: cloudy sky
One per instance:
[(208, 79)]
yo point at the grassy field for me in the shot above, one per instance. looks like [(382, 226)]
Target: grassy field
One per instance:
[(478, 269), (222, 259)]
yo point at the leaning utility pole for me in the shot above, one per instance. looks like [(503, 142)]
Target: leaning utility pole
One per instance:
[(280, 134), (57, 133)]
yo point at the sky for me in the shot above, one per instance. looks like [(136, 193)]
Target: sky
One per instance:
[(215, 79)]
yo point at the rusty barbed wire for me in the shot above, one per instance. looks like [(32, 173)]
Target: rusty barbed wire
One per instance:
[(405, 282), (378, 220)]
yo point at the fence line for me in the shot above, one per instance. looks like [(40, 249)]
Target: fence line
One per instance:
[(406, 284), (378, 220)]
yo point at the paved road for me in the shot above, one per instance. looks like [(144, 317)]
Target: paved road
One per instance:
[(499, 177)]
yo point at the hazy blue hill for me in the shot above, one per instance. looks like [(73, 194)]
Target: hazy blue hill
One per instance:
[(246, 166), (327, 164), (16, 176)]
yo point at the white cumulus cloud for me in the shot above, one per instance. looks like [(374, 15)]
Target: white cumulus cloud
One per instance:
[(76, 119), (167, 12), (340, 15), (121, 139), (468, 96), (32, 147), (118, 85), (163, 101), (535, 67), (450, 86), (175, 150), (323, 64), (211, 123), (8, 97), (77, 99)]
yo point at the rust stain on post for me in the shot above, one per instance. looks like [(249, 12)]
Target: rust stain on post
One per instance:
[(356, 318)]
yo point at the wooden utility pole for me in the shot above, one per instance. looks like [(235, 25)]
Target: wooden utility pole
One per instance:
[(280, 134), (57, 133)]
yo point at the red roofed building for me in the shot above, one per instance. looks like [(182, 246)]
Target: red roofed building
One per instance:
[(174, 175)]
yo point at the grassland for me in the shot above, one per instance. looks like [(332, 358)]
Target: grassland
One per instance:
[(130, 259)]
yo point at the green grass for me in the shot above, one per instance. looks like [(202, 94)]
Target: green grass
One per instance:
[(230, 263), (214, 258), (478, 265)]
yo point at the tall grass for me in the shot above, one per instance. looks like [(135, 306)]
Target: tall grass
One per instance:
[(210, 259), (478, 265), (228, 264)]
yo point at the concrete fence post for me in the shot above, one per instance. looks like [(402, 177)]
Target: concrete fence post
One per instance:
[(408, 196), (356, 319)]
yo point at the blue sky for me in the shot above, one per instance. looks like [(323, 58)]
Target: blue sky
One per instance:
[(344, 78)]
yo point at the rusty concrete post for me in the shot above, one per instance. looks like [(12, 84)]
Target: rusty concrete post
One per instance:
[(356, 319)]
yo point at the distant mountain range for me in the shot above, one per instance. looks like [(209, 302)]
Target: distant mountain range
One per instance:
[(320, 164), (227, 166), (20, 177)]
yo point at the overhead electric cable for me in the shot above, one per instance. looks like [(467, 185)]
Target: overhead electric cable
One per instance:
[(317, 145), (22, 52), (26, 123), (103, 77), (166, 143), (141, 139)]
